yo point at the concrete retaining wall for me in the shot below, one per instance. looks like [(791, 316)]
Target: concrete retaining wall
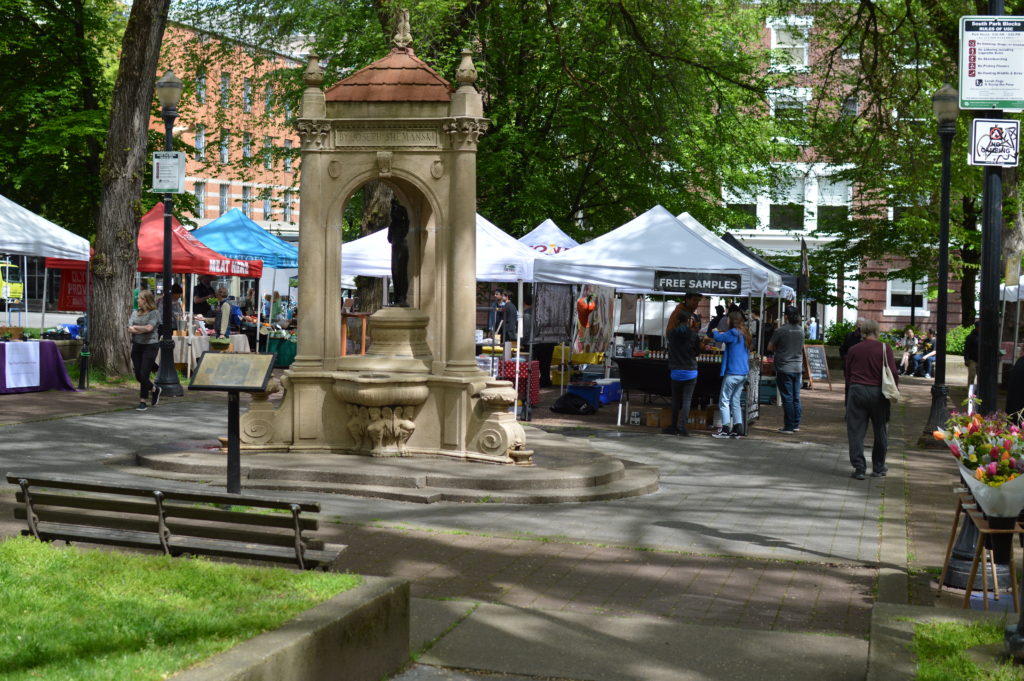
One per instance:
[(360, 635)]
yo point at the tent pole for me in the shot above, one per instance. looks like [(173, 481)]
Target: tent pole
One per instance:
[(519, 341), (42, 305)]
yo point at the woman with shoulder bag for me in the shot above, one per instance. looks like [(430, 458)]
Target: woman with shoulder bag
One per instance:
[(865, 375)]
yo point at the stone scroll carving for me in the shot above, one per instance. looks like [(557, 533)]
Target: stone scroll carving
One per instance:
[(465, 132), (314, 134), (500, 437)]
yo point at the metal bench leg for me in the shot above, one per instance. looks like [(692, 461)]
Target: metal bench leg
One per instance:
[(949, 544)]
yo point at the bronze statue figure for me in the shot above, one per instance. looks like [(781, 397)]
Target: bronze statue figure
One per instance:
[(398, 233)]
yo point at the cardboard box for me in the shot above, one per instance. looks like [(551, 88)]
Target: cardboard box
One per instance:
[(701, 419), (652, 418)]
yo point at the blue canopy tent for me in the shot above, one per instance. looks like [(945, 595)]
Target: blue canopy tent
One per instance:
[(234, 232)]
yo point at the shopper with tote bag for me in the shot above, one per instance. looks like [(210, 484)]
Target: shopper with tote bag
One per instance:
[(871, 377)]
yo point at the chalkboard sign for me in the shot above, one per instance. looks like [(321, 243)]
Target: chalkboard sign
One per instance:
[(816, 364)]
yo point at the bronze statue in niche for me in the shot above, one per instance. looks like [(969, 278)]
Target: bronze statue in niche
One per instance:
[(398, 237)]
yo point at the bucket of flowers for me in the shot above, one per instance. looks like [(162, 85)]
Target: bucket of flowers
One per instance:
[(990, 453)]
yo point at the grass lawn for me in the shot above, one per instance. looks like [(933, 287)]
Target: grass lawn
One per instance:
[(941, 649), (85, 615)]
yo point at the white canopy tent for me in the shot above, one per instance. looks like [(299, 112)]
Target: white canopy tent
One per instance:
[(24, 233), (548, 239), (774, 281), (628, 257), (499, 257)]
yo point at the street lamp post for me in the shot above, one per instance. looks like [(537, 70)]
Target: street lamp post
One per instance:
[(946, 104), (168, 91)]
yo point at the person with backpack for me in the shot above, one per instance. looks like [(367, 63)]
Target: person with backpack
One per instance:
[(735, 367)]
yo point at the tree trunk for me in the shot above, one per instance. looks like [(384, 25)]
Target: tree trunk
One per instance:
[(376, 216), (113, 266)]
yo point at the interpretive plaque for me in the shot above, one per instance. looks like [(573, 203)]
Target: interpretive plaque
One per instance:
[(246, 372)]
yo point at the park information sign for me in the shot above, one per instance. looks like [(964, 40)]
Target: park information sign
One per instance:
[(995, 142), (168, 172), (992, 63), (714, 283)]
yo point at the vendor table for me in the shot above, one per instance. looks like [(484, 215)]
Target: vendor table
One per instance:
[(285, 350), (32, 366), (650, 377), (188, 349)]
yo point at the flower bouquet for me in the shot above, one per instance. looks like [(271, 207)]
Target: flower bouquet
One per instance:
[(990, 453)]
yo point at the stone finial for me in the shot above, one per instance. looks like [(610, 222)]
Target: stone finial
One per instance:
[(313, 76), (403, 38), (466, 73)]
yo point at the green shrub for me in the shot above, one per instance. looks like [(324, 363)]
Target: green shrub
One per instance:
[(955, 337), (836, 332)]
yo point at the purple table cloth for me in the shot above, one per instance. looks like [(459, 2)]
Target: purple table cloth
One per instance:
[(52, 373)]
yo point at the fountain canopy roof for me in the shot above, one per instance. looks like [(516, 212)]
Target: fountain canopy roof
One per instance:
[(399, 77)]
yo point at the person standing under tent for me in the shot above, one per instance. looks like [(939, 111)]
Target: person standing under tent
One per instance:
[(510, 317), (691, 301), (683, 347), (142, 325), (735, 368), (201, 292), (494, 313), (788, 345)]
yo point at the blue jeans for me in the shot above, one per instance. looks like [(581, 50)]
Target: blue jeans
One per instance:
[(789, 392), (729, 399)]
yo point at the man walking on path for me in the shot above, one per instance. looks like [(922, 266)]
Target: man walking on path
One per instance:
[(788, 345)]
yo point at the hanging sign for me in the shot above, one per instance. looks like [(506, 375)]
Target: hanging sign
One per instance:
[(714, 283), (995, 142), (74, 291), (992, 62), (168, 172)]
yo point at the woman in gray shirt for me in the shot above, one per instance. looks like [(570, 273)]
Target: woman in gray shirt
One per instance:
[(142, 325)]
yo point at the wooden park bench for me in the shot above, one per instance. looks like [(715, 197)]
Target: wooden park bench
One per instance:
[(177, 523)]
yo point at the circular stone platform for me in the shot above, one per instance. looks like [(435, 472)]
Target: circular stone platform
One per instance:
[(566, 469)]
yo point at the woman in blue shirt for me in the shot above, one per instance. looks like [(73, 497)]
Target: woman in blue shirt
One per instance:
[(735, 367)]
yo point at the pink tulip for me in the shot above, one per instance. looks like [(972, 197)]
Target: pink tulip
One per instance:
[(956, 450), (992, 468)]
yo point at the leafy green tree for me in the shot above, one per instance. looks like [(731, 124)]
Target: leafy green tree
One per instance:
[(56, 75), (880, 62)]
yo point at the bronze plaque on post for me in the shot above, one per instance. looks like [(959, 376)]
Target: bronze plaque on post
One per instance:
[(243, 372)]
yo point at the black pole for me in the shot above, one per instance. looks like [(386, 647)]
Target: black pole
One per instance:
[(167, 376), (940, 391), (988, 328), (84, 354), (913, 303), (234, 447)]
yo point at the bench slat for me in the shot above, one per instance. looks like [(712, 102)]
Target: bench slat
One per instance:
[(115, 505), (142, 540), (177, 529), (170, 495)]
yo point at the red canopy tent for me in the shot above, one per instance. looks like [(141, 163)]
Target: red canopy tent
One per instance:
[(188, 254)]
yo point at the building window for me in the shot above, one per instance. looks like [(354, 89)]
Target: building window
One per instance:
[(268, 207), (225, 89), (225, 146), (287, 106), (902, 295), (225, 199), (268, 153), (851, 105), (268, 100), (247, 201), (247, 95), (200, 142), (749, 211), (288, 156), (200, 194), (789, 43), (287, 216), (201, 87), (834, 200), (246, 145), (787, 209), (789, 104)]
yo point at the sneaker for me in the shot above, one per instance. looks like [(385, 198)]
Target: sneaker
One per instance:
[(724, 432), (786, 430), (857, 475), (880, 474), (157, 391), (797, 429), (142, 407)]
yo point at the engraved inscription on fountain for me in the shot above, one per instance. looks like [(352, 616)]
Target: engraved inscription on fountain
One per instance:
[(376, 137)]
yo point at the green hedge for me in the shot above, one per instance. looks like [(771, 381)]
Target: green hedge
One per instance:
[(836, 332), (955, 337)]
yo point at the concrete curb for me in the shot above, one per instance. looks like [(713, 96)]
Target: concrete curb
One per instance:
[(364, 632), (890, 657)]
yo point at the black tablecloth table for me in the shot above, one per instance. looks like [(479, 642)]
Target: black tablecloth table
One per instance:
[(52, 373), (651, 377)]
